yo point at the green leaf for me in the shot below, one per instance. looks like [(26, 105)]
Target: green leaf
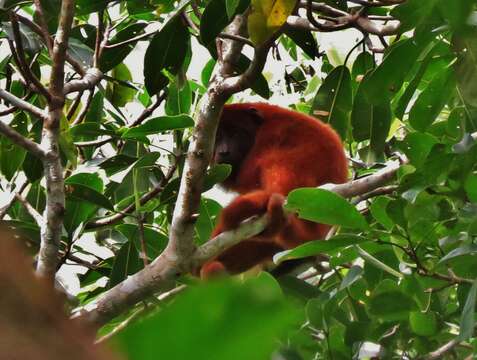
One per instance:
[(253, 315), (87, 187), (32, 167), (231, 7), (126, 262), (88, 129), (93, 181), (304, 39), (333, 101), (179, 98), (413, 12), (317, 247), (370, 121), (385, 81), (67, 146), (166, 52), (378, 210), (467, 319), (364, 62), (457, 14), (423, 324), (216, 17), (470, 187), (390, 305), (111, 57), (118, 94), (466, 67), (353, 274), (324, 207), (208, 212), (116, 163), (207, 72), (84, 7), (11, 155), (216, 175), (403, 102), (431, 101), (260, 86), (417, 147), (80, 52), (159, 124), (96, 109), (466, 249), (155, 241), (85, 193)]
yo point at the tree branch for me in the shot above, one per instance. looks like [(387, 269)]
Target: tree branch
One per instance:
[(55, 192), (30, 209), (23, 105), (26, 71), (365, 184), (92, 77), (22, 141)]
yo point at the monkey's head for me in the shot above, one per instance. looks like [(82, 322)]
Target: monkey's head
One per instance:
[(235, 136)]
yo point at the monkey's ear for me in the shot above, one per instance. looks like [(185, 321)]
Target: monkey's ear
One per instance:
[(255, 115)]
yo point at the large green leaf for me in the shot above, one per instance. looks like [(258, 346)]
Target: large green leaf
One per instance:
[(384, 82), (317, 247), (166, 53), (431, 101), (11, 155), (126, 262), (216, 16), (370, 121), (114, 56), (333, 101), (159, 124), (248, 318), (467, 319), (154, 241), (324, 207)]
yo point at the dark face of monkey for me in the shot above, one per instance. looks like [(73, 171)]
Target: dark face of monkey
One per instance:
[(235, 137)]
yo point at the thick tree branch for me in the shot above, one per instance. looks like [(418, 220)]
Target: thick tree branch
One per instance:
[(55, 199)]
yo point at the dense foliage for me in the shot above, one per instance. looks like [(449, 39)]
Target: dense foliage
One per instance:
[(398, 279)]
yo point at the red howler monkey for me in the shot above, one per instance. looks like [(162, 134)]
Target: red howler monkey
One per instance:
[(272, 151)]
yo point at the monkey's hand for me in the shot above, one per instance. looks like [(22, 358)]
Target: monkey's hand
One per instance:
[(251, 204)]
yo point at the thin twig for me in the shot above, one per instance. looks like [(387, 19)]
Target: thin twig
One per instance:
[(30, 209), (113, 219), (25, 68), (20, 140)]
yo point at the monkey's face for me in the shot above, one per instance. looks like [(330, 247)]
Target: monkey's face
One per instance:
[(232, 145), (235, 138)]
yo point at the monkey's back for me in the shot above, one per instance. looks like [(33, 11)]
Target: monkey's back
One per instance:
[(291, 150)]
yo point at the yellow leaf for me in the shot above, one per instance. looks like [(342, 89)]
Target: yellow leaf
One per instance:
[(279, 13), (266, 17)]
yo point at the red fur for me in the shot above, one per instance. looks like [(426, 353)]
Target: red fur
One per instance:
[(291, 150)]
